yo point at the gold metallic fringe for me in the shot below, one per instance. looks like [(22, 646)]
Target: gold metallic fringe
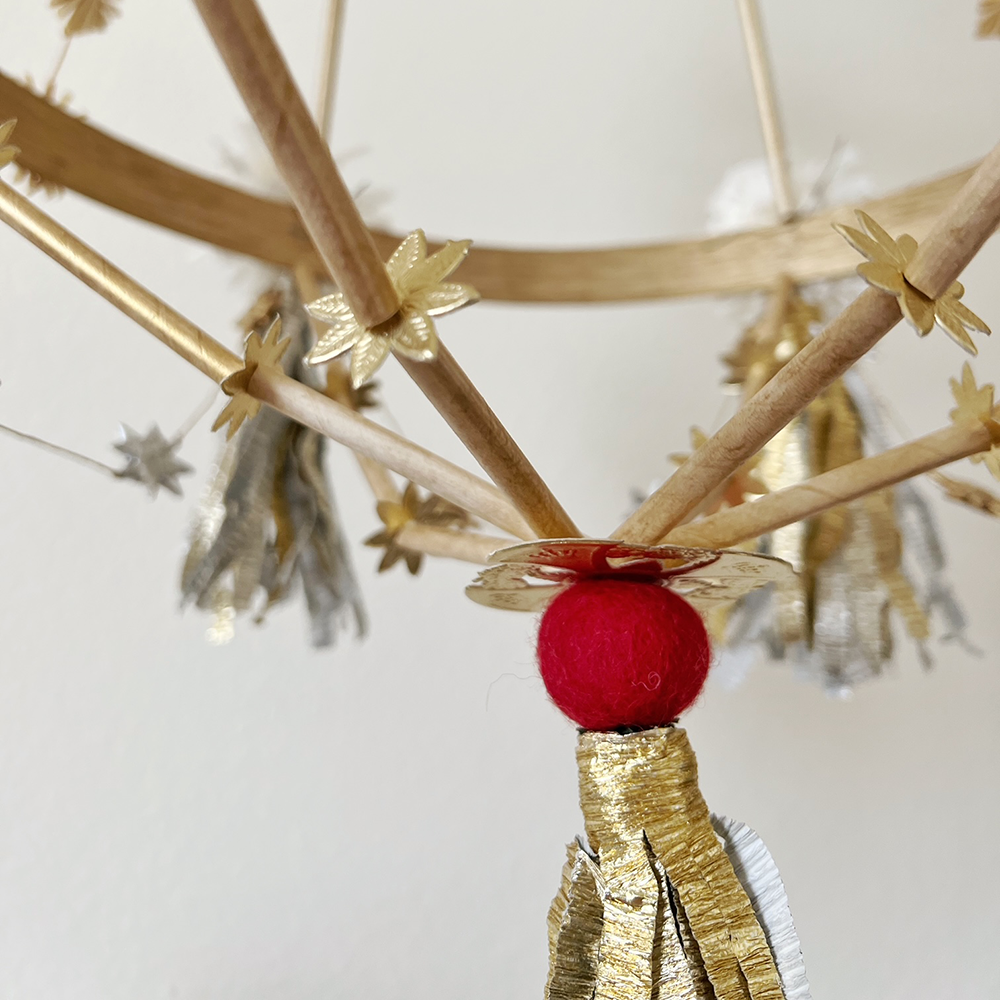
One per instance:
[(658, 910)]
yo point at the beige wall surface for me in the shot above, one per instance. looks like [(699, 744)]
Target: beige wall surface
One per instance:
[(387, 819)]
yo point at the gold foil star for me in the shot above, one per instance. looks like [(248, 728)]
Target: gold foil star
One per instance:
[(989, 19), (975, 403), (7, 150), (432, 510), (886, 269), (260, 353), (423, 293), (85, 15)]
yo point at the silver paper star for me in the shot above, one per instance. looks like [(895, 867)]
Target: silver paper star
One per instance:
[(151, 460)]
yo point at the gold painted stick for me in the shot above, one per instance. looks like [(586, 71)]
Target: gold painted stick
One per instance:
[(295, 400), (945, 252), (303, 158), (168, 326), (340, 236), (75, 155), (848, 482), (767, 107)]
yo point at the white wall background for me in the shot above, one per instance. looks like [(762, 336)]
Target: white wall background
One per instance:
[(388, 820)]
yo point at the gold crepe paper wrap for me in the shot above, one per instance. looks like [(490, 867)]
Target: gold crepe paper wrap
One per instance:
[(658, 910)]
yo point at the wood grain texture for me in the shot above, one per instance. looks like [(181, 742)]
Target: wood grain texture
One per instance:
[(70, 152)]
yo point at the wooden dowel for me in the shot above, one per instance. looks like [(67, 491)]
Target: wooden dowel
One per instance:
[(303, 158), (180, 335), (830, 489), (845, 340), (767, 107), (445, 383), (297, 401), (447, 543)]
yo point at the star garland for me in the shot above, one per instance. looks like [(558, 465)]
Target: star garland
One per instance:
[(85, 15), (886, 270), (423, 293)]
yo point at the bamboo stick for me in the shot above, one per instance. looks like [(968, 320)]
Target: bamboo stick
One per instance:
[(269, 92), (830, 489), (471, 418), (767, 108), (297, 401), (823, 360), (74, 154), (287, 128)]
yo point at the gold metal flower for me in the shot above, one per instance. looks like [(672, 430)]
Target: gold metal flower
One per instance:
[(989, 19), (432, 510), (85, 15), (976, 403), (7, 150), (261, 352), (423, 293), (886, 269), (528, 576)]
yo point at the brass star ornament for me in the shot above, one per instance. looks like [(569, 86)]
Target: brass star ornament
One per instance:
[(152, 460), (976, 403), (885, 269), (423, 293), (261, 352), (431, 510)]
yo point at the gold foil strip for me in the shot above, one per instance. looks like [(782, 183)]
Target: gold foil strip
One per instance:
[(575, 921), (644, 785)]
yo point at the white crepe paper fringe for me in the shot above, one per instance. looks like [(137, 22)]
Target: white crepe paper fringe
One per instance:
[(759, 876)]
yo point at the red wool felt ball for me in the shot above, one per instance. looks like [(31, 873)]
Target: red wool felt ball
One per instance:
[(616, 653)]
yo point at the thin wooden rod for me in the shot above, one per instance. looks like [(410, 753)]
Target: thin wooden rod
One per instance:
[(269, 92), (830, 489), (869, 318), (329, 68), (297, 401), (767, 107), (303, 158), (445, 383), (446, 543)]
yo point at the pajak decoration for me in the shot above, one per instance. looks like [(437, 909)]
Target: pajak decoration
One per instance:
[(781, 504)]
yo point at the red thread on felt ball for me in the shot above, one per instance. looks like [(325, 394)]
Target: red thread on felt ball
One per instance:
[(616, 653)]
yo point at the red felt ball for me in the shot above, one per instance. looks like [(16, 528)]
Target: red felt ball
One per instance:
[(617, 653)]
